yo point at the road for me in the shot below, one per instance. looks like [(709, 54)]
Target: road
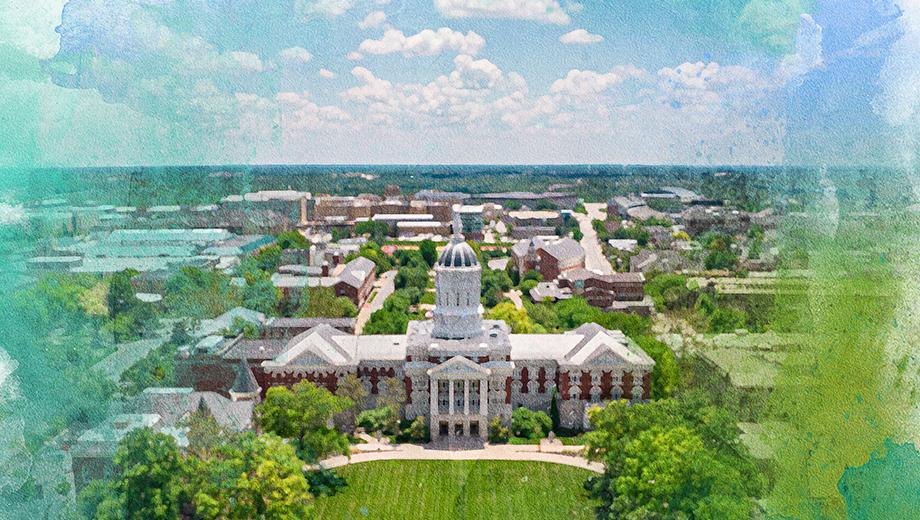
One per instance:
[(384, 286), (594, 255)]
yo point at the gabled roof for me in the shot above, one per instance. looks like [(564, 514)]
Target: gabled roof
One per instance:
[(356, 272), (609, 346), (321, 345), (245, 382), (458, 365)]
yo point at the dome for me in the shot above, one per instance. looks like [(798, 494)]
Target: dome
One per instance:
[(458, 254)]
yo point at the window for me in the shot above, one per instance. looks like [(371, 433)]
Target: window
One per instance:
[(458, 396), (443, 396), (474, 397)]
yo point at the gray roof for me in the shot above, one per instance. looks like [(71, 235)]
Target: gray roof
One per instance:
[(225, 321), (561, 249), (245, 382), (173, 405), (356, 272)]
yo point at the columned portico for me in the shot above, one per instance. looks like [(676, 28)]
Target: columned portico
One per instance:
[(459, 399)]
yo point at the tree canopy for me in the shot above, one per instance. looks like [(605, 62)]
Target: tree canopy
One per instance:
[(304, 414)]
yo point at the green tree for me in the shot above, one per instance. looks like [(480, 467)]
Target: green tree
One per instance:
[(256, 477), (721, 259), (384, 321), (292, 240), (671, 458), (517, 319), (429, 252), (196, 293), (411, 277), (351, 388), (554, 409), (150, 471), (268, 258), (727, 319), (304, 413), (498, 433), (665, 374), (121, 293), (321, 302), (262, 295), (418, 430), (393, 398), (376, 231)]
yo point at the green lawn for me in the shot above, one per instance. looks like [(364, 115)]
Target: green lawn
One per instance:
[(445, 490)]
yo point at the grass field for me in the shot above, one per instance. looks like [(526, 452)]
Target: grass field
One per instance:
[(455, 490)]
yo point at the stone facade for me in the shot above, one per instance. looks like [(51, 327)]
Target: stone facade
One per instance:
[(459, 370)]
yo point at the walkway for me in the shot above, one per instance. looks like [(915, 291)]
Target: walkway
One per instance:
[(515, 296), (554, 453), (594, 255), (384, 287)]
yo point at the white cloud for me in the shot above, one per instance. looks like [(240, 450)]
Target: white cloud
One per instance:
[(588, 82), (326, 73), (580, 36), (295, 55), (302, 113), (464, 96), (808, 51), (546, 11), (354, 56), (381, 2), (30, 26), (315, 8), (425, 43), (373, 19), (248, 61)]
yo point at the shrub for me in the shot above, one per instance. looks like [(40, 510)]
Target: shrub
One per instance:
[(530, 424), (377, 420), (727, 319), (417, 430), (497, 431), (527, 285)]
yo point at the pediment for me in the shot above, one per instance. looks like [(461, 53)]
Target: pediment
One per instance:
[(459, 366)]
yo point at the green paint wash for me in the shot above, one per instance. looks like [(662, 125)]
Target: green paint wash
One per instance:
[(841, 394), (887, 486)]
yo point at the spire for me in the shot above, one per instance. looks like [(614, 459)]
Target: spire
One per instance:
[(245, 385), (457, 225)]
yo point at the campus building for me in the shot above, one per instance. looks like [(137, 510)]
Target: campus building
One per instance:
[(458, 369)]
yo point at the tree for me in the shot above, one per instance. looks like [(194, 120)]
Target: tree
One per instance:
[(150, 469), (262, 295), (411, 277), (351, 388), (371, 251), (671, 458), (517, 319), (376, 231), (268, 258), (530, 424), (721, 259), (554, 409), (197, 293), (665, 374), (121, 293), (256, 477), (377, 420), (429, 252), (384, 321), (393, 398), (292, 240), (321, 302), (727, 319), (304, 413), (418, 430)]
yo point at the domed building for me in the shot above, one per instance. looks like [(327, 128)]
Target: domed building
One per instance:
[(458, 369)]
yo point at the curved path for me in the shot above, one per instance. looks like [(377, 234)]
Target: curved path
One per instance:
[(489, 452)]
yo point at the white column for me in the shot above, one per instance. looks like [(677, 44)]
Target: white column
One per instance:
[(484, 397), (434, 398), (466, 397), (450, 393)]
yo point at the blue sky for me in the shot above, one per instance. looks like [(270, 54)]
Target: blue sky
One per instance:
[(458, 81)]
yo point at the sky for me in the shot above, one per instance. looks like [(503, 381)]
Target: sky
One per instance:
[(105, 82)]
